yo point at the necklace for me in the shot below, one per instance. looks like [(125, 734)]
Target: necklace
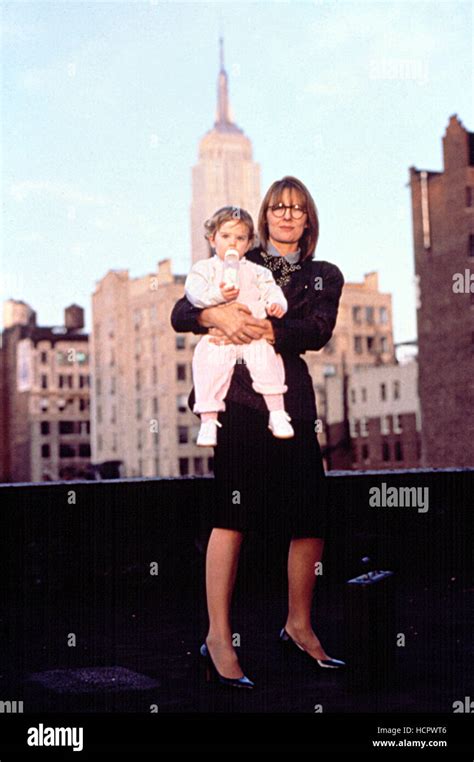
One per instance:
[(280, 267)]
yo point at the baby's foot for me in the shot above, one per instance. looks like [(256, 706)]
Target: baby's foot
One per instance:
[(207, 436), (279, 426)]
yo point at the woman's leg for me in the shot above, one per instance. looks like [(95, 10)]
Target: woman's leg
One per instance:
[(221, 569), (304, 553)]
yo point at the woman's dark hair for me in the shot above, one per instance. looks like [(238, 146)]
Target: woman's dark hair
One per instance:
[(274, 194)]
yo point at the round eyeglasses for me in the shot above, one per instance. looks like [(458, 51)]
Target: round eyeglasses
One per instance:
[(297, 211)]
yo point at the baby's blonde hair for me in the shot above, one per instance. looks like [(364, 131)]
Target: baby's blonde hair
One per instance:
[(228, 214)]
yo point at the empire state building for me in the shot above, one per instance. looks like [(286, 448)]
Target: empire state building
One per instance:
[(225, 173)]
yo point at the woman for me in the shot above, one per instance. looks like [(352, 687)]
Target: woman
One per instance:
[(280, 482)]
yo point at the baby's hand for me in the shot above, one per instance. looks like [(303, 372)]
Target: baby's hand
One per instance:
[(228, 292), (276, 310)]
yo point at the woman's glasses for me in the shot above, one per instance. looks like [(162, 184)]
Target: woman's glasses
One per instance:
[(279, 210)]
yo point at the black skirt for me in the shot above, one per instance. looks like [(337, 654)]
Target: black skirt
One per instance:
[(265, 484)]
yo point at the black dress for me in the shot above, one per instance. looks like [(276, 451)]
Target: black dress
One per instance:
[(264, 483)]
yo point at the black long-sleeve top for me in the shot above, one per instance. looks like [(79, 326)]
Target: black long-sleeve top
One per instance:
[(313, 295)]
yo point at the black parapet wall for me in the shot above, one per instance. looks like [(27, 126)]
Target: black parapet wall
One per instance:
[(59, 535)]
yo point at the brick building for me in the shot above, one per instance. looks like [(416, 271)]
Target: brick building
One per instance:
[(45, 388), (443, 239)]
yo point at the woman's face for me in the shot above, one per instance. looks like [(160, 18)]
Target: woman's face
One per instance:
[(232, 234), (286, 229)]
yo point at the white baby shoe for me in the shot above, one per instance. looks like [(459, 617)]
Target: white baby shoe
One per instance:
[(279, 426), (207, 436)]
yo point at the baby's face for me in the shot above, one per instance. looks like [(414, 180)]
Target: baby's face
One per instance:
[(232, 234)]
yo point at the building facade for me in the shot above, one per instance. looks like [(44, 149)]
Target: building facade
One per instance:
[(372, 419), (225, 173), (141, 378), (443, 240), (46, 396)]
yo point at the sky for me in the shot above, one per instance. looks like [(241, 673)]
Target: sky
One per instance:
[(104, 103)]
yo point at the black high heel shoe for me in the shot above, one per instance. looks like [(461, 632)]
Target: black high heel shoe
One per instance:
[(323, 663), (212, 673)]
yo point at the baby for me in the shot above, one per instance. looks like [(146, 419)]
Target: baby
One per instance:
[(231, 231)]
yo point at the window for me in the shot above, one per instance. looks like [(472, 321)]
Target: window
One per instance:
[(383, 392), (210, 465), (353, 396), (84, 451), (182, 434), (369, 314), (198, 466), (358, 344), (43, 357), (397, 424), (329, 370), (183, 466), (383, 315), (44, 381), (383, 344), (61, 358), (356, 314), (180, 342), (99, 414), (365, 453), (471, 245), (97, 386), (385, 451), (468, 195), (154, 375), (398, 450), (181, 372), (182, 403), (112, 385), (138, 379), (384, 425), (66, 451), (45, 451), (82, 358), (155, 405), (364, 394), (44, 425), (84, 381), (396, 390), (353, 427), (139, 439), (138, 409), (84, 428), (364, 432), (370, 343), (44, 404), (66, 427), (136, 318)]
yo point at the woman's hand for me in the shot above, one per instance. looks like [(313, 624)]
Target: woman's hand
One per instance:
[(264, 328), (235, 323)]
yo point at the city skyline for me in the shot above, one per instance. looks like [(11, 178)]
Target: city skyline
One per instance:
[(91, 153)]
